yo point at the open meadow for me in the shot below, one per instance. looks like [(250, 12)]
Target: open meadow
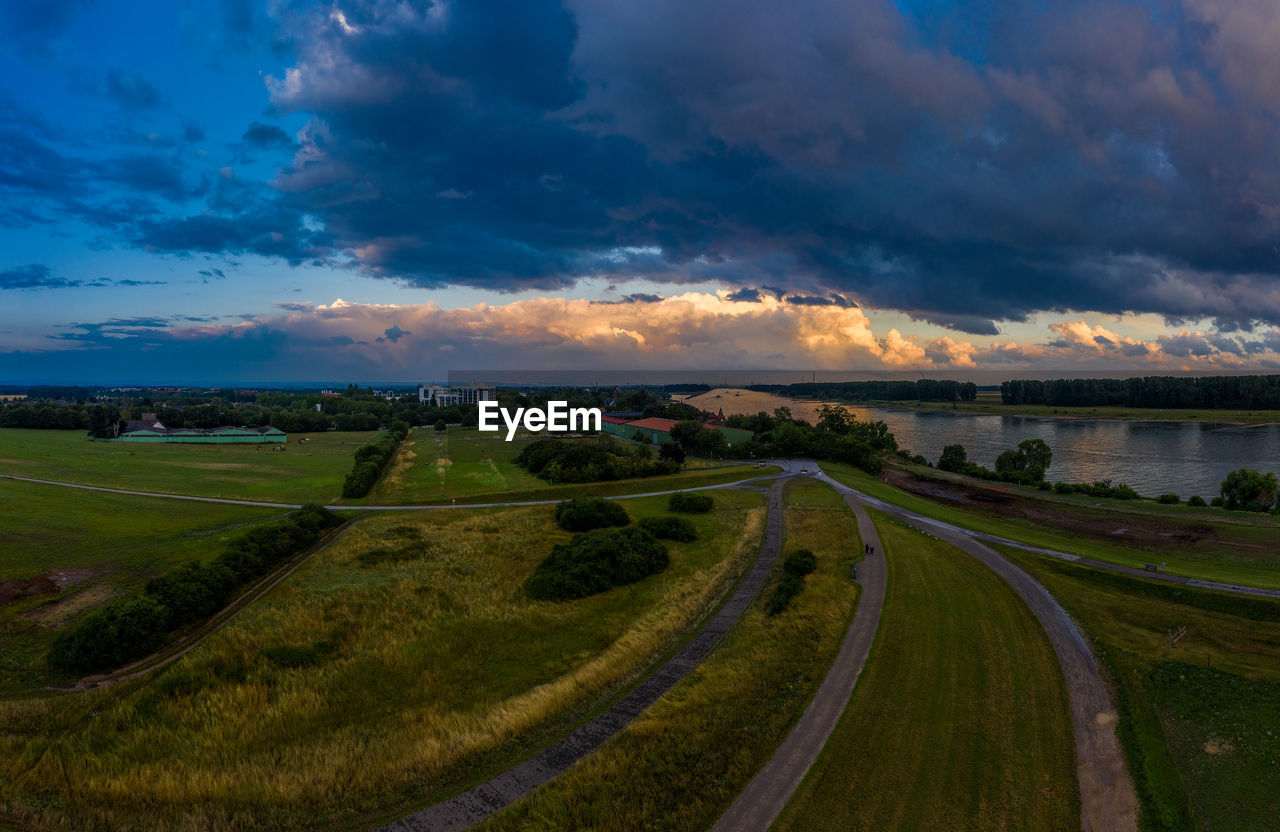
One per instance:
[(1200, 728), (306, 472), (466, 465), (960, 719), (64, 551), (680, 764), (395, 667)]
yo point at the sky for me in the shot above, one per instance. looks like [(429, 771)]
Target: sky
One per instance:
[(376, 190)]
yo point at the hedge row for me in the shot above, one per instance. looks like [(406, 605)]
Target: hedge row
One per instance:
[(584, 514), (127, 630), (595, 562), (670, 528), (372, 459), (686, 503)]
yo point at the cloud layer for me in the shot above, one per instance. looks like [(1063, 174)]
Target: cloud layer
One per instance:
[(693, 331)]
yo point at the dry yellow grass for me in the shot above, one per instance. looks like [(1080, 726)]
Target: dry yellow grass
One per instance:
[(429, 671)]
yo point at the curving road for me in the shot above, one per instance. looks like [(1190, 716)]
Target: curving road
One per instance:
[(1108, 802), (763, 799)]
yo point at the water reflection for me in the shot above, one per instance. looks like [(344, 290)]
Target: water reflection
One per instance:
[(1153, 457)]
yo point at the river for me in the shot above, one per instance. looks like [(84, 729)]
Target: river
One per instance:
[(1154, 458)]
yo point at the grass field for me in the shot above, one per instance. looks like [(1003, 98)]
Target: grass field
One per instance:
[(1203, 743), (390, 670), (1257, 565), (96, 546), (960, 719), (681, 764), (310, 472), (471, 467)]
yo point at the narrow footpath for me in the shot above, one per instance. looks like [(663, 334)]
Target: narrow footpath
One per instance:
[(472, 806), (763, 799)]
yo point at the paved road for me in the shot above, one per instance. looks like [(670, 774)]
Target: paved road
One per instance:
[(762, 800), (472, 806), (1108, 802)]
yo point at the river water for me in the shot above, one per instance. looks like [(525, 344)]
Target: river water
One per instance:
[(1154, 458)]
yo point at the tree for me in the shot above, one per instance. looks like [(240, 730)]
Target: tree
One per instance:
[(1245, 488), (441, 425), (671, 451), (953, 458), (1038, 456), (1011, 463)]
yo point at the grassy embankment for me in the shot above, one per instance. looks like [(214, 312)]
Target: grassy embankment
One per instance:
[(1201, 731), (97, 546), (1254, 562), (394, 668), (681, 764), (307, 472), (471, 467), (960, 719)]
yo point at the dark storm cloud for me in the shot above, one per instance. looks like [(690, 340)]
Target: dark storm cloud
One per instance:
[(1091, 156), (394, 333), (266, 136), (744, 295)]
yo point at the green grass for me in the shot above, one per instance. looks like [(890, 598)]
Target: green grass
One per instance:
[(1215, 563), (308, 472), (108, 544), (994, 405), (960, 719), (366, 683), (680, 765), (1177, 717), (465, 465)]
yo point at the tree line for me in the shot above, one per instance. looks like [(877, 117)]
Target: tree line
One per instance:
[(922, 390), (372, 459), (125, 631), (1208, 393)]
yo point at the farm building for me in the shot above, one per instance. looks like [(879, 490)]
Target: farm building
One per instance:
[(152, 431), (658, 430)]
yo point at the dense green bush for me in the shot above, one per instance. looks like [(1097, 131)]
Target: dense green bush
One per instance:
[(1101, 488), (686, 503), (797, 565), (372, 459), (583, 514), (1169, 499), (595, 562), (127, 630), (801, 562), (1216, 502), (1250, 490), (1195, 500), (789, 587), (670, 528), (566, 460)]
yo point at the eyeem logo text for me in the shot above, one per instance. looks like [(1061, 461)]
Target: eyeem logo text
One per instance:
[(557, 417)]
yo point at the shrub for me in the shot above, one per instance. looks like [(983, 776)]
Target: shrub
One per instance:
[(801, 562), (670, 528), (686, 503), (788, 588), (595, 562), (1216, 502), (441, 425), (1169, 499), (1195, 500), (563, 460), (583, 514), (293, 656)]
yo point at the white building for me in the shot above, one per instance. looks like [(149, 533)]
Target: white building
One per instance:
[(440, 396)]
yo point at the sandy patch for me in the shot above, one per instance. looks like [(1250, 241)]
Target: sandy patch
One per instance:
[(1214, 745), (56, 614)]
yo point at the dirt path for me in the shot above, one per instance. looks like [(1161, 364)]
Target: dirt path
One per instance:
[(506, 788), (1108, 802), (763, 799)]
